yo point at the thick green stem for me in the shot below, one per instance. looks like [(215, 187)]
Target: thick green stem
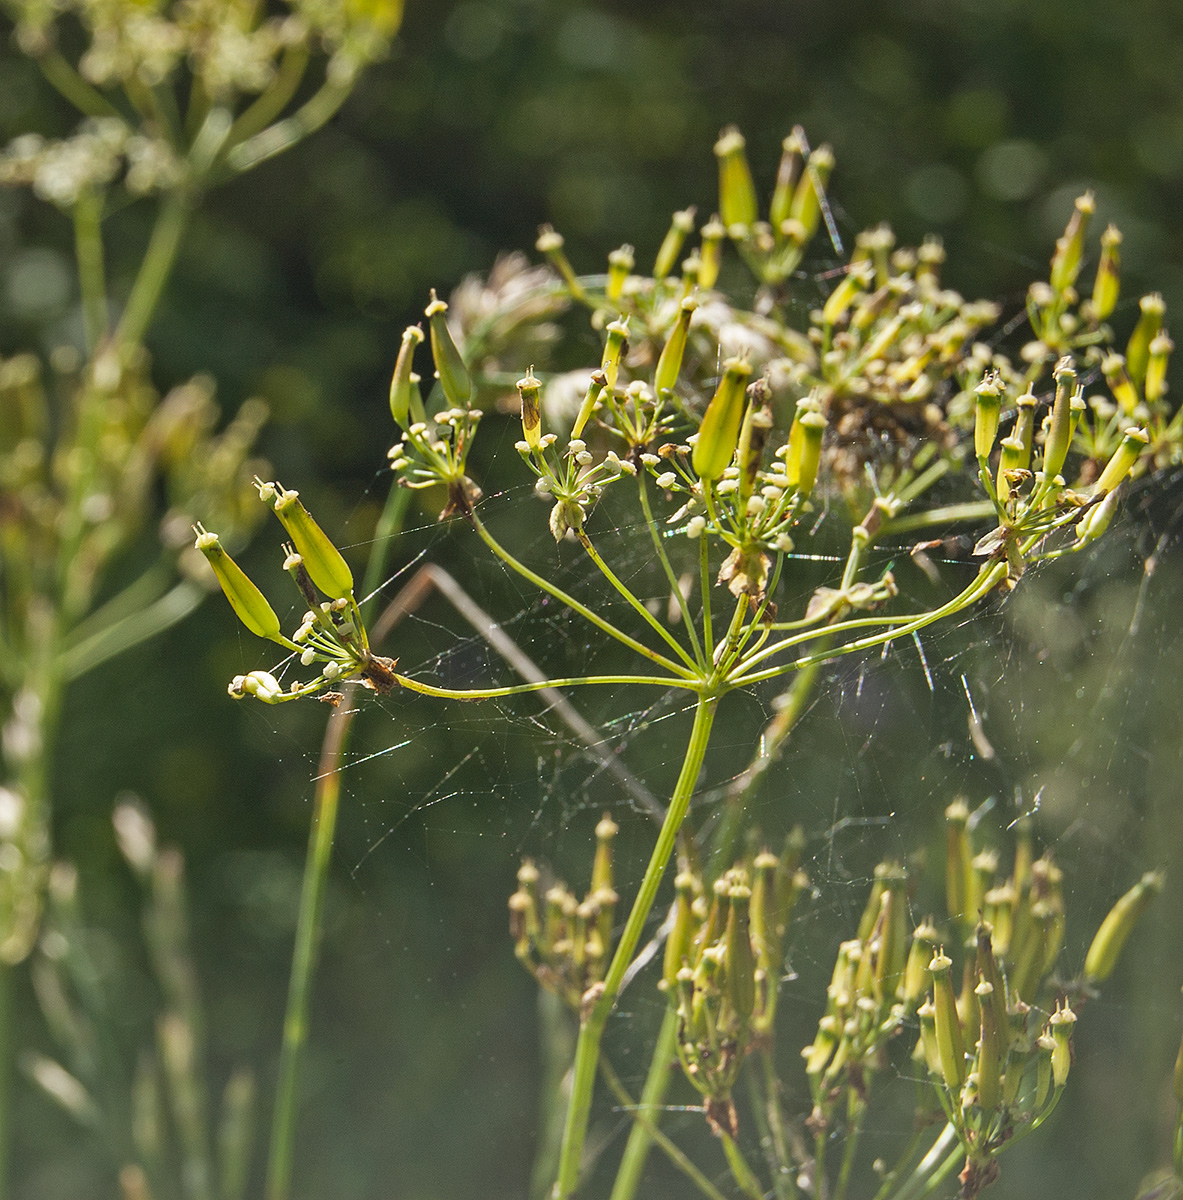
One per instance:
[(308, 929), (741, 1172), (155, 269), (640, 1138), (587, 1051)]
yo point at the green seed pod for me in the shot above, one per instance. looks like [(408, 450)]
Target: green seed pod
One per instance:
[(1024, 430), (1070, 247), (322, 560), (753, 435), (1113, 367), (818, 1054), (807, 199), (1097, 519), (927, 1015), (737, 191), (998, 906), (950, 1044), (614, 348), (765, 933), (1059, 433), (1118, 925), (720, 425), (920, 954), (1137, 351), (741, 963), (263, 686), (1045, 1047), (710, 253), (620, 264), (1122, 462), (550, 243), (1060, 1023), (669, 364), (449, 365), (856, 280), (678, 944), (987, 406), (400, 383), (959, 879), (788, 174), (1013, 456), (606, 831), (1156, 368), (813, 427), (989, 1050), (595, 389), (989, 971), (681, 226), (249, 604), (530, 389), (1107, 284), (893, 936)]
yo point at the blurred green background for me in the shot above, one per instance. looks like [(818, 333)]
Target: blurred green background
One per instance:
[(975, 119)]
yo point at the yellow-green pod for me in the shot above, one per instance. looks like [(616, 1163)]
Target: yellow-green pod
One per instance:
[(606, 831), (1024, 429), (710, 253), (920, 954), (788, 175), (856, 280), (1061, 1022), (753, 434), (595, 389), (1097, 519), (1123, 460), (400, 382), (927, 1016), (1070, 247), (1155, 385), (550, 243), (806, 208), (818, 1054), (678, 944), (950, 1043), (449, 365), (741, 962), (987, 407), (988, 970), (737, 191), (959, 875), (989, 1050), (263, 686), (669, 363), (1137, 351), (620, 264), (1118, 925), (719, 431), (813, 427), (1113, 367), (249, 604), (614, 348), (1045, 1046), (322, 560), (1107, 285), (681, 226), (765, 931), (1013, 456), (1059, 433), (529, 389)]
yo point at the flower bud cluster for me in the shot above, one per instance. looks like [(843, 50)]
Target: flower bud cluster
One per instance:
[(724, 958), (564, 943)]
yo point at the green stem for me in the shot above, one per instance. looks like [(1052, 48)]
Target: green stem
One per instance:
[(975, 510), (308, 930), (933, 1167), (277, 138), (276, 97), (61, 75), (570, 602), (640, 1138), (741, 1172), (556, 1036), (854, 1128), (668, 567), (155, 268), (92, 276), (587, 1050), (519, 689)]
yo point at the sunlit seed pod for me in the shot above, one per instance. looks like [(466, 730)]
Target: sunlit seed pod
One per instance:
[(400, 382), (737, 190), (1155, 385), (740, 961), (669, 363), (681, 226), (614, 348), (950, 1043), (1107, 285), (959, 876), (595, 389), (967, 1000), (813, 427), (989, 971), (1059, 434), (1070, 247), (322, 560), (620, 264), (809, 195), (1117, 926), (678, 943), (1013, 458), (818, 1055), (987, 407), (765, 934), (719, 432), (550, 243), (1045, 1046), (1122, 463), (263, 686), (926, 1014), (529, 389), (893, 938), (856, 280), (989, 1056), (788, 174), (606, 831), (1061, 1023), (1137, 354), (249, 604), (710, 252), (1113, 367), (1024, 427), (920, 954), (449, 363), (753, 435)]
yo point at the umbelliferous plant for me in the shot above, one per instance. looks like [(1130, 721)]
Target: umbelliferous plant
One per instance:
[(739, 425)]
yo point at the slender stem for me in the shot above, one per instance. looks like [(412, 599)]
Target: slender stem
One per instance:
[(556, 1038), (275, 139), (519, 689), (308, 929), (919, 1182), (704, 575), (640, 1138), (275, 98), (643, 1121), (570, 602), (667, 566), (155, 268), (587, 1050), (741, 1172), (92, 277), (854, 1127), (61, 75), (974, 510)]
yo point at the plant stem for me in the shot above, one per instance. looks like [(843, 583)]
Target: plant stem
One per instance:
[(308, 929), (155, 268), (743, 1174), (640, 1138), (556, 1036), (587, 1050), (667, 566), (92, 279)]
